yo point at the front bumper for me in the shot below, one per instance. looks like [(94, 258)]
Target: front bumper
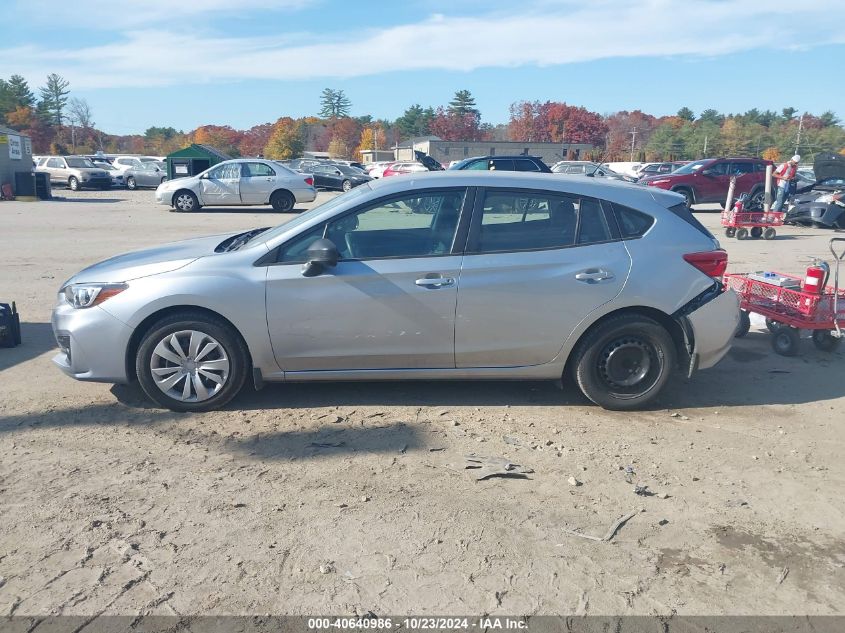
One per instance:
[(96, 182), (92, 344), (713, 327), (164, 197)]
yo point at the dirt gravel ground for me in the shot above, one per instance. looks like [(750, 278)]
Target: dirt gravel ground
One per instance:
[(343, 499)]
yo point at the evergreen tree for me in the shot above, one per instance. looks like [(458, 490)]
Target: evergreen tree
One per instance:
[(686, 114), (416, 121), (463, 103), (334, 104), (54, 97), (20, 91)]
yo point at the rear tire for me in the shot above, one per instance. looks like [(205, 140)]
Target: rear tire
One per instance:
[(131, 184), (624, 362), (212, 379), (282, 201), (346, 185), (785, 341), (825, 341), (744, 324), (73, 183)]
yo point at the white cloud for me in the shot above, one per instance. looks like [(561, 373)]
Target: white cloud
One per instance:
[(547, 34)]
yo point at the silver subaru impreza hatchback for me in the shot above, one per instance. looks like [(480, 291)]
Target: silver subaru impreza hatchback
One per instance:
[(455, 275)]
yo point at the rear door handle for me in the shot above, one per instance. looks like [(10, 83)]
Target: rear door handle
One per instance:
[(594, 275), (435, 282)]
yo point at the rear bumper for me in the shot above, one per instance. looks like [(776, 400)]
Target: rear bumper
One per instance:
[(305, 195), (713, 327)]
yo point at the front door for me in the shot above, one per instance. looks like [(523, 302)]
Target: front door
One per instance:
[(257, 182), (536, 265), (390, 301), (713, 186), (221, 185)]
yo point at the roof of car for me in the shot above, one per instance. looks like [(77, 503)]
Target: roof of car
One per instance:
[(613, 190)]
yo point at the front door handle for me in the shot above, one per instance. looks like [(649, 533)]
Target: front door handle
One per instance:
[(594, 275), (435, 282)]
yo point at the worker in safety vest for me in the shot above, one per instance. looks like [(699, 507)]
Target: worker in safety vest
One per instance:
[(784, 175)]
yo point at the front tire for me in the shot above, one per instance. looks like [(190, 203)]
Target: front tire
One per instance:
[(191, 362), (73, 183), (186, 201), (786, 340), (346, 185), (282, 201), (688, 197), (131, 184), (624, 362)]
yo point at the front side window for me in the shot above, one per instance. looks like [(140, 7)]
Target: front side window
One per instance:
[(719, 169), (513, 221), (225, 171), (479, 165), (413, 225)]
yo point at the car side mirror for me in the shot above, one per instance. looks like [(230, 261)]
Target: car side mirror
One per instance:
[(322, 254), (337, 172)]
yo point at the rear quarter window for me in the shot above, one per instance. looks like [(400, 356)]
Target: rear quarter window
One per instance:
[(632, 223)]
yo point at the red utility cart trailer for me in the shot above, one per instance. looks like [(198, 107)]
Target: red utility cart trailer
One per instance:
[(791, 304)]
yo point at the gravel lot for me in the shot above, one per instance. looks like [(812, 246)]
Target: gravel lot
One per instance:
[(110, 506)]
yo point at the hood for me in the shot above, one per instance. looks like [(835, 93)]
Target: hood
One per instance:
[(152, 261), (827, 165)]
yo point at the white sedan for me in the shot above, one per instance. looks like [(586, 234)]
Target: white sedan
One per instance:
[(241, 182)]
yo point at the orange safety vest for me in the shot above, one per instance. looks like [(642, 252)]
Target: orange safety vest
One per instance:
[(786, 171)]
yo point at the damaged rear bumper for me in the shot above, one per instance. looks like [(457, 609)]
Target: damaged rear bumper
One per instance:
[(709, 323)]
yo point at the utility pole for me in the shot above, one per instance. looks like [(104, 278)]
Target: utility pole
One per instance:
[(633, 140), (798, 137), (705, 146)]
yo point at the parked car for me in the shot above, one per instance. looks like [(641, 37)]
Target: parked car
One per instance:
[(708, 180), (134, 162), (336, 176), (512, 276), (821, 203), (376, 170), (239, 182), (149, 174), (399, 168), (502, 163), (76, 172), (114, 172), (656, 169), (350, 163), (587, 168)]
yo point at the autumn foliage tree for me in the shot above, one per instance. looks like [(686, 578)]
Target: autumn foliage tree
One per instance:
[(554, 122), (371, 138), (285, 140)]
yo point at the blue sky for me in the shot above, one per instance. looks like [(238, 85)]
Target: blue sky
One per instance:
[(243, 62)]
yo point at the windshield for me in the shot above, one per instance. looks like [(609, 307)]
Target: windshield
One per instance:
[(83, 163), (301, 219), (691, 167)]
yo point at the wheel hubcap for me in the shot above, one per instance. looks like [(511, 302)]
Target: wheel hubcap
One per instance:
[(189, 366), (184, 202), (628, 365)]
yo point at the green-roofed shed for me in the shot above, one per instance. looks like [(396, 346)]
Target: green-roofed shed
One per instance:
[(192, 160)]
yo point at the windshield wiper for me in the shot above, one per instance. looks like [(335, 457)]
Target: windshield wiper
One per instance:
[(235, 242)]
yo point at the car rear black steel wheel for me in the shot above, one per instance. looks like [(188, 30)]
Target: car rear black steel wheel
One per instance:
[(624, 362), (282, 201)]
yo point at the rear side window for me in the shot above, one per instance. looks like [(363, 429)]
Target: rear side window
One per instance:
[(523, 164), (686, 215), (632, 223)]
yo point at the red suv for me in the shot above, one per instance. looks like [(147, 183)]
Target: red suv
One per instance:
[(708, 180)]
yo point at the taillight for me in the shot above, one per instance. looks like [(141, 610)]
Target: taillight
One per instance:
[(309, 181), (711, 263)]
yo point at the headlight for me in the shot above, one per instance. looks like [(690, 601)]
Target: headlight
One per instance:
[(90, 295), (661, 181)]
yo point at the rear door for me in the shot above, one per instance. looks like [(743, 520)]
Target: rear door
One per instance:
[(537, 263), (56, 168), (257, 182), (221, 185)]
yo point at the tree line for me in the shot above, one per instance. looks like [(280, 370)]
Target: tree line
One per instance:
[(57, 122)]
